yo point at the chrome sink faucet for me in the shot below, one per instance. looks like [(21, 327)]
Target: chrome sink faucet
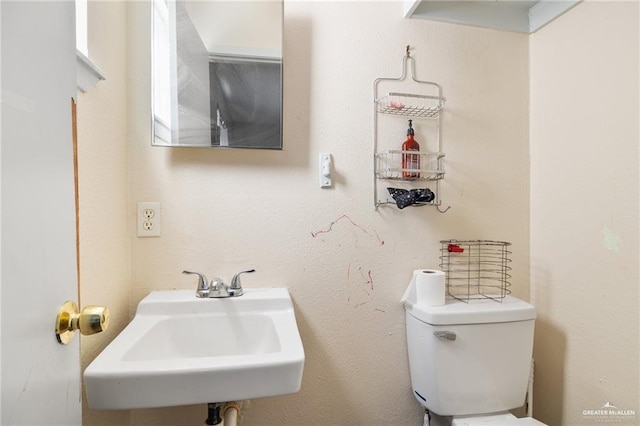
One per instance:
[(218, 288)]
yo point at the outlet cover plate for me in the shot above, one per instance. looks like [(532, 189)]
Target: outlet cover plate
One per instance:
[(148, 219)]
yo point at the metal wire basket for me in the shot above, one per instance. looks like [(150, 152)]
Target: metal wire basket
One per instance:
[(476, 269), (389, 165), (410, 105)]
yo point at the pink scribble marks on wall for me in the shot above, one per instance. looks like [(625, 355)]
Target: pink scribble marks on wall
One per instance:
[(359, 282), (360, 290), (365, 281), (354, 224)]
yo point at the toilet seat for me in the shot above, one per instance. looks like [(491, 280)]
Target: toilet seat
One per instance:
[(530, 421), (506, 419), (524, 421)]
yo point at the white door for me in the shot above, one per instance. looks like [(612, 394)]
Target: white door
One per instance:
[(40, 378)]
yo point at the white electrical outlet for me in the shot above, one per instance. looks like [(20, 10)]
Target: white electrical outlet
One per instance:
[(148, 219)]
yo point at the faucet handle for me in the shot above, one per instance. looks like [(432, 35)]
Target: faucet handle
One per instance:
[(235, 282), (203, 285)]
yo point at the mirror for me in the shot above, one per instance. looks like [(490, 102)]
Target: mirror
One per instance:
[(217, 73)]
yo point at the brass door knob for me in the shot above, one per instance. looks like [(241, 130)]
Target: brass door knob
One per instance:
[(93, 319)]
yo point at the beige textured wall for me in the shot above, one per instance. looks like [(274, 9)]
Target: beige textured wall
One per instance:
[(105, 240), (584, 212), (223, 211)]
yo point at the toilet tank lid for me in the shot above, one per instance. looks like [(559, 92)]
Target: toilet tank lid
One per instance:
[(480, 311)]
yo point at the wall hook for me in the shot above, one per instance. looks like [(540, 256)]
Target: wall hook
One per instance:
[(408, 52)]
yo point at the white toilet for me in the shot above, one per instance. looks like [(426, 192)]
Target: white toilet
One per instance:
[(471, 361)]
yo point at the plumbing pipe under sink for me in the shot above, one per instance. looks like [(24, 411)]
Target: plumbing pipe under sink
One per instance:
[(231, 411), (222, 414)]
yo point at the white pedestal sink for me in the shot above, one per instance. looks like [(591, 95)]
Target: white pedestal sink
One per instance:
[(181, 350)]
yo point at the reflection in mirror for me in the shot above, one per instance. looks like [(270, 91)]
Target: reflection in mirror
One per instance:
[(217, 73)]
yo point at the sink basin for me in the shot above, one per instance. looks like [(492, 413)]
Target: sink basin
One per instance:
[(181, 350)]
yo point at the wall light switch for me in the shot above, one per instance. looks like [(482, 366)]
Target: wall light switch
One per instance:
[(325, 171)]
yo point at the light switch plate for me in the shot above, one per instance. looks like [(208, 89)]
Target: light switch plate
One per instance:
[(325, 171)]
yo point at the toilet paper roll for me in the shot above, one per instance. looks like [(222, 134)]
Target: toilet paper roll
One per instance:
[(430, 287)]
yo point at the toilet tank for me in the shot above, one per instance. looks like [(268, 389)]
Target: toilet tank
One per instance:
[(470, 358)]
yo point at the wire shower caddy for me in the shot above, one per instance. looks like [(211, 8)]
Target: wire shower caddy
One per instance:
[(388, 164), (476, 269)]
